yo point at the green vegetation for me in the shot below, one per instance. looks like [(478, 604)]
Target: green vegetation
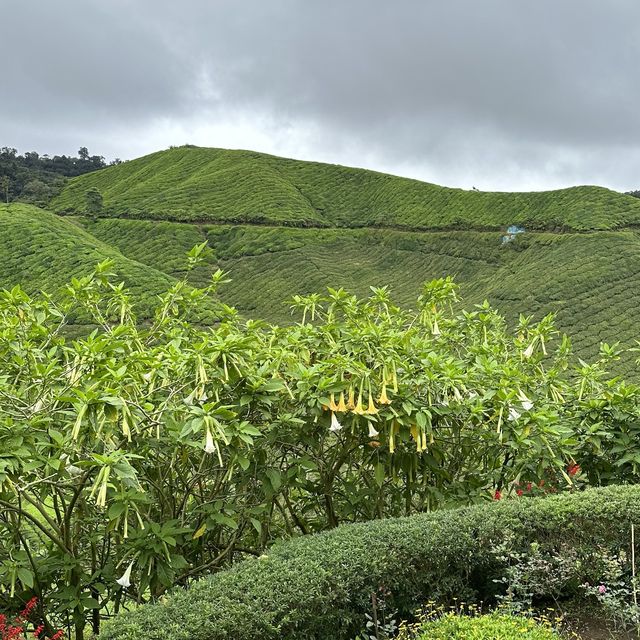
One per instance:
[(42, 252), (36, 179), (162, 451), (319, 587), (216, 185), (181, 437), (493, 626)]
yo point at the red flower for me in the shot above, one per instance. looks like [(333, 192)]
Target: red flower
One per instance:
[(573, 469), (529, 486), (519, 492), (497, 495), (39, 629)]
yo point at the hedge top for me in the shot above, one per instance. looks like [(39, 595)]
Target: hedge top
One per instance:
[(319, 586), (218, 185)]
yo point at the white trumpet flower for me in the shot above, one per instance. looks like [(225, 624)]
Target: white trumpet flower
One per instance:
[(209, 446), (37, 406), (513, 414), (71, 469), (528, 352), (372, 431), (125, 580), (335, 423), (526, 403)]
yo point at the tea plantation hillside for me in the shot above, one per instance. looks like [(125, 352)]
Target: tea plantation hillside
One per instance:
[(40, 251), (217, 185)]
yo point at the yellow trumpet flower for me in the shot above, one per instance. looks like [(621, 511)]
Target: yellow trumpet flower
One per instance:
[(384, 399), (358, 408), (351, 402), (392, 441), (371, 409), (332, 403), (341, 404)]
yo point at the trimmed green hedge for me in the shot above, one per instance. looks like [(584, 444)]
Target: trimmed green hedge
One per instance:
[(318, 587)]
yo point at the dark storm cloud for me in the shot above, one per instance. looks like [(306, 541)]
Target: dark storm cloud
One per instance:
[(504, 93)]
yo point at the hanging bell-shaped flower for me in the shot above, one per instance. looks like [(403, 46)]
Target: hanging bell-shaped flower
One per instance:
[(527, 405), (371, 409), (209, 445), (125, 580), (513, 414), (384, 399), (359, 409), (351, 402), (373, 433), (335, 423), (342, 407), (392, 440)]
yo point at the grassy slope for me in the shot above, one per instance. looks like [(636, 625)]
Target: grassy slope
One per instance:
[(199, 184), (41, 251)]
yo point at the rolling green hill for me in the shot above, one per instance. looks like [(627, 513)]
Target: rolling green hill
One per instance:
[(194, 184), (281, 227)]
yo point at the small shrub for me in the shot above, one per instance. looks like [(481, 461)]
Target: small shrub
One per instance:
[(494, 626)]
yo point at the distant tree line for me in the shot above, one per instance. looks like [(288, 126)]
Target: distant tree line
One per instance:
[(36, 178), (635, 194)]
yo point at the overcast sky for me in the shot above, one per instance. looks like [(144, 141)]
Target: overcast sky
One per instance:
[(497, 94)]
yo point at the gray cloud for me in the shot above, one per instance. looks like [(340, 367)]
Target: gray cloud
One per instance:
[(497, 93)]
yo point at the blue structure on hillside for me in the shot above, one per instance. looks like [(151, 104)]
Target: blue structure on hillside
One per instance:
[(512, 232)]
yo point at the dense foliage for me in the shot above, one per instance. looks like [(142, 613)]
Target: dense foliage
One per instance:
[(161, 451), (192, 184), (36, 178), (319, 587)]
